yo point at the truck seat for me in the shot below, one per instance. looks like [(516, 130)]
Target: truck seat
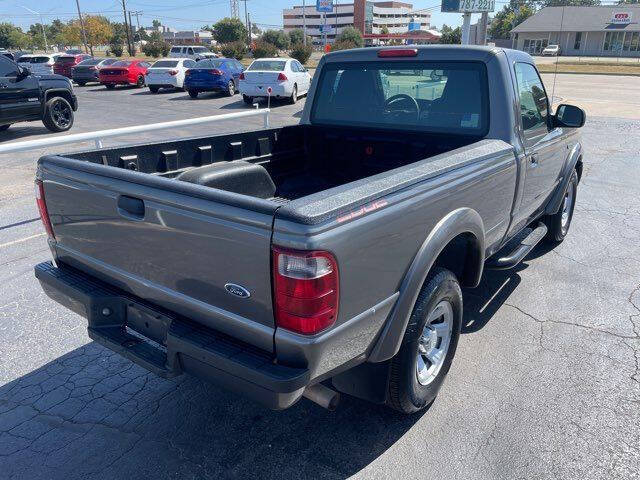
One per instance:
[(238, 177)]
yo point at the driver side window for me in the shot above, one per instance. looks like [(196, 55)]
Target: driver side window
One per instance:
[(8, 68), (534, 107)]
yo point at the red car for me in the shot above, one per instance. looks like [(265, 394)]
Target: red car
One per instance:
[(64, 63), (124, 72)]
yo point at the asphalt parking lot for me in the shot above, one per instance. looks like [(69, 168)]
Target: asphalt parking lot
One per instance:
[(545, 384)]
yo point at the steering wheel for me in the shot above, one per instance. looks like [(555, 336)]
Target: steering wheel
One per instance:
[(400, 99)]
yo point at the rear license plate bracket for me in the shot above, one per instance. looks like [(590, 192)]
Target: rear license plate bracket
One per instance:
[(148, 322)]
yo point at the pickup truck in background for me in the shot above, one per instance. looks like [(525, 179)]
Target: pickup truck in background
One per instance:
[(323, 257)]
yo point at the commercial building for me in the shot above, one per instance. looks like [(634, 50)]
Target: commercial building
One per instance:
[(188, 37), (590, 31), (369, 17)]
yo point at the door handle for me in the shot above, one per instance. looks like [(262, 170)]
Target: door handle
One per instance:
[(534, 160), (131, 207)]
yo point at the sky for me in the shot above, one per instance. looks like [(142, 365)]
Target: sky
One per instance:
[(182, 15)]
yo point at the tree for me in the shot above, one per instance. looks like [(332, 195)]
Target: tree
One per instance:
[(156, 24), (296, 36), (506, 19), (301, 52), (450, 36), (350, 36), (156, 46), (12, 36), (255, 30), (264, 49), (277, 38), (229, 30), (567, 3), (625, 2), (236, 49), (97, 28), (116, 42)]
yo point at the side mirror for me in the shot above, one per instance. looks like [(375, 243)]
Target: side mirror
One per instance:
[(569, 116), (23, 73)]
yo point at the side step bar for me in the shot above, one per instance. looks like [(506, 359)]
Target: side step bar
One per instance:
[(504, 262)]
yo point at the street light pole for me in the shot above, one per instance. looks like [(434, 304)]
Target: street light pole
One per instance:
[(84, 33), (44, 33), (304, 23)]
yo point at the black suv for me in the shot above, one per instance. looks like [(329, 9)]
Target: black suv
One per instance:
[(25, 97)]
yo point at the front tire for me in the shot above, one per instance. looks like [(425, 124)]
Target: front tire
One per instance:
[(82, 84), (429, 344), (154, 89), (110, 86), (248, 100), (4, 127), (193, 93), (58, 115), (559, 223), (140, 81)]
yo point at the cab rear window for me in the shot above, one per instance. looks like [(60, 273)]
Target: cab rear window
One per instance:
[(65, 60), (447, 97)]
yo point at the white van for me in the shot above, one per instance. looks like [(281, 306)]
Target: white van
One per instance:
[(194, 52)]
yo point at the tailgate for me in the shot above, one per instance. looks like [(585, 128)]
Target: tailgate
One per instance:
[(172, 243)]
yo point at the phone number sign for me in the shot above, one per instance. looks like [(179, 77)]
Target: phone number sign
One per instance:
[(324, 6), (468, 6)]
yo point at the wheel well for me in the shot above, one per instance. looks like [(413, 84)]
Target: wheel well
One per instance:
[(462, 257), (59, 93), (579, 168)]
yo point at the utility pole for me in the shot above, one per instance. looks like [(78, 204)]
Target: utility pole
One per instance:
[(234, 9), (126, 27), (246, 20), (304, 23), (249, 23), (466, 27), (44, 33), (481, 38), (84, 33), (137, 13)]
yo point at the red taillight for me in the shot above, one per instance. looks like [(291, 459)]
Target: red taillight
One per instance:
[(282, 77), (187, 73), (398, 52), (42, 208), (241, 77), (215, 71), (173, 72), (305, 290)]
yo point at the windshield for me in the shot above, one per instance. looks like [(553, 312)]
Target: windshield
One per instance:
[(165, 64), (267, 65), (121, 63), (428, 96)]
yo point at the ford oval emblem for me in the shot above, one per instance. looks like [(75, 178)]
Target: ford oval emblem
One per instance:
[(237, 290)]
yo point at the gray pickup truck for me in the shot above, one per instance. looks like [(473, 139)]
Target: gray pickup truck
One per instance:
[(324, 257)]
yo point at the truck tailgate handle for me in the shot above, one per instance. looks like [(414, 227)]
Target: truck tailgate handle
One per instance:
[(131, 207)]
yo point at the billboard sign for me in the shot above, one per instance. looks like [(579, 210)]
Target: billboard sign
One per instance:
[(414, 26), (621, 18), (324, 5), (468, 6)]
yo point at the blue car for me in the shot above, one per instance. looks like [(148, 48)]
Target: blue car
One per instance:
[(215, 75)]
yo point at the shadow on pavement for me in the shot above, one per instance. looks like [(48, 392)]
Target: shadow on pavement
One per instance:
[(21, 130)]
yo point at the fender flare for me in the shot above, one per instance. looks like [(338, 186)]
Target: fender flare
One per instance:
[(460, 221), (556, 200), (54, 90)]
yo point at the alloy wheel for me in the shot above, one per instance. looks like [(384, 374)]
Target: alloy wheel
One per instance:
[(61, 114), (434, 342)]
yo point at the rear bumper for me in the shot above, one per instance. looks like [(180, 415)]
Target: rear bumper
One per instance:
[(117, 81), (162, 81), (205, 86), (253, 90), (169, 345), (86, 77)]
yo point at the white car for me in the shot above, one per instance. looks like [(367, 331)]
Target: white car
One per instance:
[(286, 77), (193, 52), (39, 64), (168, 73), (551, 50)]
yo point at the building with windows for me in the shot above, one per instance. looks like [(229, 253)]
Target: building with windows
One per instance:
[(612, 30), (370, 18)]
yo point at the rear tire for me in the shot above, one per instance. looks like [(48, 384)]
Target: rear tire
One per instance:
[(110, 86), (154, 89), (559, 223), (294, 95), (58, 115), (248, 100), (140, 81), (82, 84), (193, 93), (4, 127), (429, 344), (231, 89)]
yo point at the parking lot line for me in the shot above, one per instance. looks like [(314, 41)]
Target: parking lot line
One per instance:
[(8, 244)]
